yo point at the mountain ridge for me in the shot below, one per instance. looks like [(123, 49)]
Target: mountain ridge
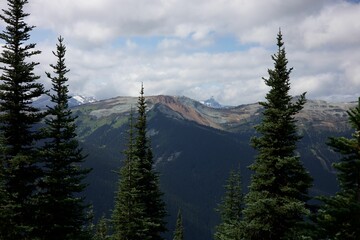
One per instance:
[(230, 118), (195, 147)]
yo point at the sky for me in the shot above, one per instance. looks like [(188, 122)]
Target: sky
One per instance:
[(199, 48)]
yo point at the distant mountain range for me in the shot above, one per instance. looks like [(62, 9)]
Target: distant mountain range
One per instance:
[(195, 146), (75, 100)]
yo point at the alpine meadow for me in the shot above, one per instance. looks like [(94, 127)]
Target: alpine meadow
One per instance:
[(164, 166)]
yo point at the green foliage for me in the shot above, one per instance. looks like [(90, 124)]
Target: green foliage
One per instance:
[(139, 209), (275, 204), (148, 183), (7, 208), (62, 211), (339, 217), (18, 87), (128, 213), (102, 230), (179, 229), (231, 209)]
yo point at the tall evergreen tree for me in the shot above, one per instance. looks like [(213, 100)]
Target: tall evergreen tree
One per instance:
[(127, 218), (179, 229), (139, 209), (62, 210), (339, 217), (18, 117), (275, 204), (231, 210), (148, 183)]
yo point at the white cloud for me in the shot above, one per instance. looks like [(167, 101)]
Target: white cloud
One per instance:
[(335, 26), (321, 39)]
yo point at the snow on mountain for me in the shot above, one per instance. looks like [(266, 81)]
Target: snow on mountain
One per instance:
[(80, 100), (43, 101), (212, 103)]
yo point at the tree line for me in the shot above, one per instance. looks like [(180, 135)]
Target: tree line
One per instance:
[(41, 172)]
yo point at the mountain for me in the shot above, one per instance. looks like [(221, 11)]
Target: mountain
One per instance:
[(195, 147), (211, 102), (75, 100)]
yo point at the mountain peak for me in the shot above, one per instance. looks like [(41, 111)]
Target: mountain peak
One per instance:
[(76, 100), (211, 102)]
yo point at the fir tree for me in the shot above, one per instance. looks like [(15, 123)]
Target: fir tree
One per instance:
[(127, 218), (62, 210), (179, 229), (148, 183), (339, 217), (275, 204), (139, 209), (231, 209), (18, 118)]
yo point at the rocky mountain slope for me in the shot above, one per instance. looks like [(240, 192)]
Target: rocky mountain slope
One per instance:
[(75, 100), (195, 146), (316, 113)]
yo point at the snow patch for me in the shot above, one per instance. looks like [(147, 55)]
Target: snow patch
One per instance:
[(211, 103)]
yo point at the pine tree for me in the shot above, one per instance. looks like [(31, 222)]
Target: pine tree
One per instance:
[(139, 209), (339, 217), (275, 204), (179, 229), (231, 210), (62, 210), (127, 218), (148, 183), (18, 118)]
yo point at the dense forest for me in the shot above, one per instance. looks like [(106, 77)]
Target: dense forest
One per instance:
[(42, 169)]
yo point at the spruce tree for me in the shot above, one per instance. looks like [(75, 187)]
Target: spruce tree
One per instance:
[(339, 217), (62, 210), (231, 209), (276, 202), (139, 209), (148, 183), (127, 218), (179, 229), (18, 88)]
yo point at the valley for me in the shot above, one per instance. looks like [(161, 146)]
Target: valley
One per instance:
[(195, 147)]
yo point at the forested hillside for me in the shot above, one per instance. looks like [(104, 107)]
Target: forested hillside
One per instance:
[(194, 159), (168, 167)]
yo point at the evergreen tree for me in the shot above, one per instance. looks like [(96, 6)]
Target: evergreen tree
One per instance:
[(339, 217), (6, 206), (102, 230), (139, 209), (18, 117), (179, 229), (275, 204), (148, 182), (62, 210), (231, 209), (127, 218)]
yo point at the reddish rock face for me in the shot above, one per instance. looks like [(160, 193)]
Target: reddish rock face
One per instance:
[(319, 115)]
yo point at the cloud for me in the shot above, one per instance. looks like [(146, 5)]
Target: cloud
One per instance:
[(335, 26), (172, 46), (98, 21)]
